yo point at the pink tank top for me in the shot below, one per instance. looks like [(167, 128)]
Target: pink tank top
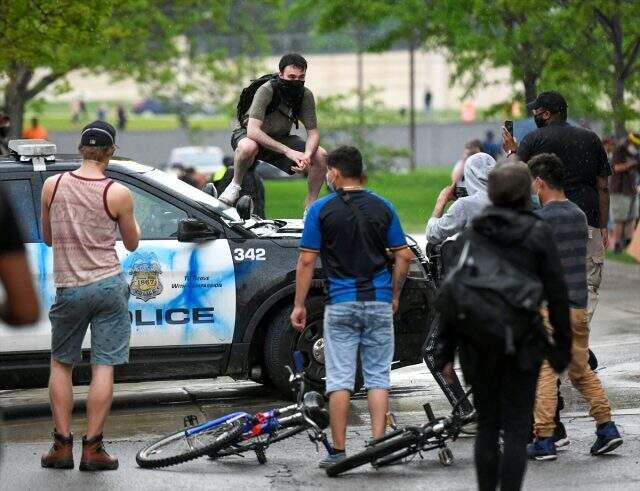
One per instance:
[(83, 231)]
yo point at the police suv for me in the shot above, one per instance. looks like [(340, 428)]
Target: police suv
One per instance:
[(211, 293)]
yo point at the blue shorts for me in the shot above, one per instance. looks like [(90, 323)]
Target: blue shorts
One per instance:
[(104, 305), (352, 325)]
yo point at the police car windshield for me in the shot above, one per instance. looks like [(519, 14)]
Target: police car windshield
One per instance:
[(193, 193)]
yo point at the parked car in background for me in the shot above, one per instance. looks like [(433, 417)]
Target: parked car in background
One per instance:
[(205, 159), (163, 105)]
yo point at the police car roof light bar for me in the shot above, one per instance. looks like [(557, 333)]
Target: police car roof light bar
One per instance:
[(32, 148)]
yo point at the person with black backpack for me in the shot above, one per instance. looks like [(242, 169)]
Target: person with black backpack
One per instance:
[(267, 110), (504, 266)]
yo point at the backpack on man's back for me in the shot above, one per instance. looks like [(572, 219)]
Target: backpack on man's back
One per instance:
[(249, 92), (490, 301)]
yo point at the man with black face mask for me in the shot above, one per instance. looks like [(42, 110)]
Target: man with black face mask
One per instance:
[(264, 133), (586, 173)]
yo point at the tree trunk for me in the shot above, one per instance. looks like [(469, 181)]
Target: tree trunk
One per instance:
[(16, 97), (530, 82), (412, 101), (617, 104)]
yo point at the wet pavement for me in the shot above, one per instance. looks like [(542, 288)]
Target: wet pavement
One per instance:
[(145, 411)]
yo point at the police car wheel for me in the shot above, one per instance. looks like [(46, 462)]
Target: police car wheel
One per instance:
[(282, 341)]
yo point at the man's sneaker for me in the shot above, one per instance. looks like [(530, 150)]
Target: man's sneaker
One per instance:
[(231, 194), (608, 439), (542, 449), (332, 458), (560, 438)]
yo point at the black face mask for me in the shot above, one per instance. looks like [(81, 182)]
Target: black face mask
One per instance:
[(291, 91), (540, 122), (4, 131)]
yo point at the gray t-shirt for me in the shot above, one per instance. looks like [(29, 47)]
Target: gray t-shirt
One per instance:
[(570, 231), (278, 123)]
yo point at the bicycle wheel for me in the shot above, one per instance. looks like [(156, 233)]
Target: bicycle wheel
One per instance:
[(180, 447), (372, 453), (241, 446)]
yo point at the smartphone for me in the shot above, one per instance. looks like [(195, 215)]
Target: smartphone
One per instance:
[(509, 125)]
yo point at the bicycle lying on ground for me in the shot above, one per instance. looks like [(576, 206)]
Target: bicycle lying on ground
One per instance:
[(410, 440), (241, 432)]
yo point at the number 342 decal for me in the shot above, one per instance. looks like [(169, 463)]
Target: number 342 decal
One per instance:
[(251, 254)]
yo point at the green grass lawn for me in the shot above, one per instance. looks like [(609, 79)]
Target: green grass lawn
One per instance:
[(622, 258), (412, 194)]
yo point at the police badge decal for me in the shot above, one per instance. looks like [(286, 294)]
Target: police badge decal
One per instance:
[(145, 282)]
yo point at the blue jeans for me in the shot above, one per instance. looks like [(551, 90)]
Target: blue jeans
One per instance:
[(104, 305), (352, 325)]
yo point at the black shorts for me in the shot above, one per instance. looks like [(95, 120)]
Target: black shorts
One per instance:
[(274, 158)]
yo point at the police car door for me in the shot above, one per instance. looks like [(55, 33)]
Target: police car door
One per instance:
[(181, 294)]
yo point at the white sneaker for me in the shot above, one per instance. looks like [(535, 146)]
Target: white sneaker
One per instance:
[(231, 194)]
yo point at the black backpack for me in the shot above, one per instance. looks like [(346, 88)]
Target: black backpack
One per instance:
[(490, 301), (249, 92)]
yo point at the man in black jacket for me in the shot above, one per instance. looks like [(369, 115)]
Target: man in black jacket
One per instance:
[(504, 386)]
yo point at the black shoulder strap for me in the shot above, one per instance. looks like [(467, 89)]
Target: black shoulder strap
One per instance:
[(366, 227)]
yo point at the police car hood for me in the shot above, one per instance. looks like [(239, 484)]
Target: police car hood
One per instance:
[(279, 228)]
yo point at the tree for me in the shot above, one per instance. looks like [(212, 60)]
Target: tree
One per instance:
[(610, 31), (43, 40)]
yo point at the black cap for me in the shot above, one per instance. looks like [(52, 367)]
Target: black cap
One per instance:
[(551, 101), (98, 134)]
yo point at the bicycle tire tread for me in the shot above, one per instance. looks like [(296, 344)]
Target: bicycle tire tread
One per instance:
[(229, 438), (372, 453)]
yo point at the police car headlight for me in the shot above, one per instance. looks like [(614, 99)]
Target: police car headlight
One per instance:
[(416, 270)]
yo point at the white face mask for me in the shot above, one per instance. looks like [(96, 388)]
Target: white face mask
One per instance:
[(330, 184), (632, 149)]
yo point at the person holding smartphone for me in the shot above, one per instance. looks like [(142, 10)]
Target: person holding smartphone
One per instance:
[(587, 172)]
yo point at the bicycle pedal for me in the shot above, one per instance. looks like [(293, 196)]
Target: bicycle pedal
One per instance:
[(190, 420)]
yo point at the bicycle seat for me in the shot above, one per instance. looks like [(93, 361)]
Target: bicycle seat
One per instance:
[(314, 406)]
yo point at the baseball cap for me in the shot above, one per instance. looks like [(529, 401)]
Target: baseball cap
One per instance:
[(98, 134), (551, 100)]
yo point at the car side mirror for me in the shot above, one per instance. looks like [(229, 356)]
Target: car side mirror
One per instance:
[(194, 230), (210, 189), (244, 206)]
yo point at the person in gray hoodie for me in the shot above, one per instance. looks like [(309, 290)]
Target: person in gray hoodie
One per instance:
[(440, 227), (458, 217)]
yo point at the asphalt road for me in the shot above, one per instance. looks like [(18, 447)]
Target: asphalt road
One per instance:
[(145, 411)]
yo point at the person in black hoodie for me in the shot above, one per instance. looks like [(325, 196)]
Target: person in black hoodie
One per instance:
[(504, 386)]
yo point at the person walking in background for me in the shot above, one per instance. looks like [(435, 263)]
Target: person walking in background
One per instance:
[(587, 172), (81, 211), (121, 116), (624, 195), (570, 232), (504, 383), (427, 101), (351, 229), (35, 131), (490, 146)]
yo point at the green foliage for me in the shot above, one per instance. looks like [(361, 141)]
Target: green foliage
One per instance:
[(350, 126), (413, 195)]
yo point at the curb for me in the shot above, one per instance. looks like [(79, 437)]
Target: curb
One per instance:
[(626, 270)]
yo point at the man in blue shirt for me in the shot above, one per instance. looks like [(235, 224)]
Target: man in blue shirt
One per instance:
[(352, 229)]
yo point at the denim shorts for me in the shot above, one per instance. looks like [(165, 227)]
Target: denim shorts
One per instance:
[(352, 325), (104, 305)]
